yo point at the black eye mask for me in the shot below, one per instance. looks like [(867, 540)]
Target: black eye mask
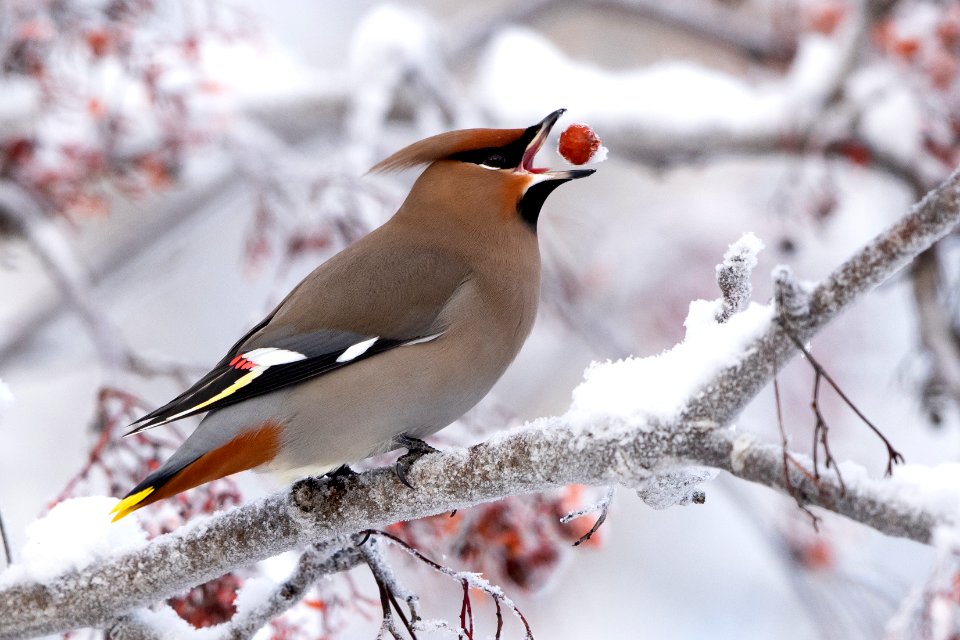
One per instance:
[(508, 156)]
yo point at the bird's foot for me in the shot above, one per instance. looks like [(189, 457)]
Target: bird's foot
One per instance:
[(416, 449), (340, 476)]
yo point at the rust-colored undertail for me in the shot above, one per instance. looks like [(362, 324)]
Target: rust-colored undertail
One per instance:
[(248, 450)]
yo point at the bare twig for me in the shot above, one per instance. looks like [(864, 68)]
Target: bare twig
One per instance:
[(893, 456), (63, 266), (602, 506), (8, 557), (820, 436), (789, 460), (718, 22), (467, 580), (389, 588)]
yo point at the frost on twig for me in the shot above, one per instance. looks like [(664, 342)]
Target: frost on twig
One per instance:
[(317, 560), (389, 589), (259, 601), (676, 487), (791, 296), (602, 506), (733, 275)]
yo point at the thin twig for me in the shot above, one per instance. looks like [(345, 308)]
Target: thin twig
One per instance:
[(893, 456), (602, 506), (466, 581), (388, 587), (6, 543), (788, 459), (821, 438)]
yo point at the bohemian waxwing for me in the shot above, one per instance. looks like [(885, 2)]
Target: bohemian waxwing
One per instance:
[(390, 340)]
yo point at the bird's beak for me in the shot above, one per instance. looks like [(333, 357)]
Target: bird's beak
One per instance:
[(541, 131)]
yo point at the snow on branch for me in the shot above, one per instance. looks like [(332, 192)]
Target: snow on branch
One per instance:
[(632, 448), (258, 602)]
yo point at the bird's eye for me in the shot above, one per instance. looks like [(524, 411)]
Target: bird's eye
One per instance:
[(496, 160)]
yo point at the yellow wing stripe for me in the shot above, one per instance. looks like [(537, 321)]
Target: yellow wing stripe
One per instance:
[(128, 504), (236, 386)]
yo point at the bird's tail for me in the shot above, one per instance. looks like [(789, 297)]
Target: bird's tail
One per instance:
[(247, 450), (156, 486)]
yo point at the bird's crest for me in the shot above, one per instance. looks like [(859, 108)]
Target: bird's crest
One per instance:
[(444, 145)]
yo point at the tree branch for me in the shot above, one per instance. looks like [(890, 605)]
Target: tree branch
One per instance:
[(317, 561), (72, 279)]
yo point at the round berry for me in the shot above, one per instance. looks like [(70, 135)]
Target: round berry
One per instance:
[(578, 143)]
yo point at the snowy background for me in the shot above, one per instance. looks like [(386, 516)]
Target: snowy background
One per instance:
[(792, 120)]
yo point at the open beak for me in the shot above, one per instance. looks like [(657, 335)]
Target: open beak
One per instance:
[(542, 131)]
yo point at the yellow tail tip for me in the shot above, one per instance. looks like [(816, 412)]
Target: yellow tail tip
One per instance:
[(130, 503)]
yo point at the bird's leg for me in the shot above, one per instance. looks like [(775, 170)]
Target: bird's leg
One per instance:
[(416, 449), (343, 471), (339, 476)]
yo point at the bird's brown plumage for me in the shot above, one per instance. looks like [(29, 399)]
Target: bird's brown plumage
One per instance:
[(444, 145)]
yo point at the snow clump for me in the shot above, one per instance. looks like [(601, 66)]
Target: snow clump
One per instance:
[(656, 388), (76, 533)]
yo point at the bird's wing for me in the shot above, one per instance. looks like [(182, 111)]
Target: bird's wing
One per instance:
[(295, 343), (265, 369)]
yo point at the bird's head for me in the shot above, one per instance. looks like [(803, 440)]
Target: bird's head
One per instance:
[(478, 173)]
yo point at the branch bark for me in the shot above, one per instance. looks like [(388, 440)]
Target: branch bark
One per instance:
[(616, 452)]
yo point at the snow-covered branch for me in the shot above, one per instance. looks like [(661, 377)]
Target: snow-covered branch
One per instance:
[(624, 453), (928, 221), (271, 600), (634, 450)]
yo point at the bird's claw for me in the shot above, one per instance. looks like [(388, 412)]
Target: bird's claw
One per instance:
[(416, 449), (341, 475)]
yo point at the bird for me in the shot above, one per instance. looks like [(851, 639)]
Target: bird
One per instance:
[(388, 341)]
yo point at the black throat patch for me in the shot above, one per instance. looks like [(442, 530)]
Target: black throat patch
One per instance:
[(532, 201)]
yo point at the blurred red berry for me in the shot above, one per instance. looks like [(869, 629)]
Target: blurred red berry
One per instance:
[(825, 17)]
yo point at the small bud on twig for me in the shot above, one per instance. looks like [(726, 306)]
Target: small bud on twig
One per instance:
[(790, 295), (733, 275)]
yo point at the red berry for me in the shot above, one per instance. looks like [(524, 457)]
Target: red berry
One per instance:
[(578, 144)]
